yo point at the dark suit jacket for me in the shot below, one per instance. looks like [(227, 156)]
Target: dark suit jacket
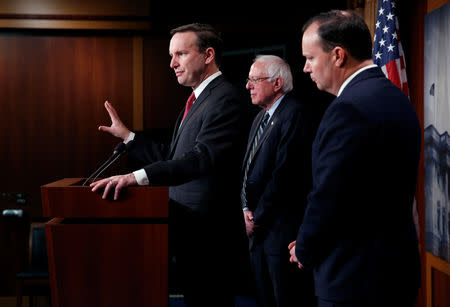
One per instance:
[(279, 176), (201, 164), (358, 232)]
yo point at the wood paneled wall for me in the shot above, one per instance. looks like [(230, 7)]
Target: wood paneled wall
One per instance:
[(99, 8), (53, 89), (81, 14)]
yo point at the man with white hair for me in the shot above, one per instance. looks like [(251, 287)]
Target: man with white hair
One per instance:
[(276, 179)]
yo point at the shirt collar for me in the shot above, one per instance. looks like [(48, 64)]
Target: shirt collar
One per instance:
[(275, 105), (205, 82), (347, 81)]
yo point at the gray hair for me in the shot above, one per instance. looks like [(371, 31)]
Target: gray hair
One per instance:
[(276, 67)]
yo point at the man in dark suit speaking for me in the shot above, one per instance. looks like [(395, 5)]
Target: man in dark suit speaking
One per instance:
[(201, 165), (276, 180), (358, 233)]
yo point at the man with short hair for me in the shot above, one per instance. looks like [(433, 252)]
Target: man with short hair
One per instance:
[(358, 234), (201, 167)]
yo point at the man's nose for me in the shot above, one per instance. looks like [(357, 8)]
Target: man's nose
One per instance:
[(306, 68), (173, 63)]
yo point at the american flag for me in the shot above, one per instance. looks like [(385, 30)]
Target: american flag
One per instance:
[(387, 49)]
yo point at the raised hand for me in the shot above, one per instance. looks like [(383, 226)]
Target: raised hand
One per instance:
[(117, 128)]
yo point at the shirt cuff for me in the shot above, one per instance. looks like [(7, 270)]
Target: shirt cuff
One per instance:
[(141, 177), (245, 208), (130, 137)]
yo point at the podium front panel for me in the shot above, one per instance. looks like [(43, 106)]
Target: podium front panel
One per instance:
[(107, 264)]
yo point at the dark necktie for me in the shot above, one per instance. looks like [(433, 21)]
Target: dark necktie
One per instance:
[(260, 131), (189, 103)]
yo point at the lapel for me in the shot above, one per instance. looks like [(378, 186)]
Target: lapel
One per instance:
[(272, 122), (198, 105)]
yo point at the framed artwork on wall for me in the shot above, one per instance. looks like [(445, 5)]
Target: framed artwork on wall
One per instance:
[(437, 129)]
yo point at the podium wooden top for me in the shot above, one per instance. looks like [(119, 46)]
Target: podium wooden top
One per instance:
[(67, 198)]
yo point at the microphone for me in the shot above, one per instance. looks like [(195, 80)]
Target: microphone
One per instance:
[(118, 151)]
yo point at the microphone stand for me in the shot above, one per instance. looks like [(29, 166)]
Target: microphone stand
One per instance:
[(120, 148), (98, 170), (104, 168)]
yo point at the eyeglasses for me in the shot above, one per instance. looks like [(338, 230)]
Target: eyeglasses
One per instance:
[(256, 80)]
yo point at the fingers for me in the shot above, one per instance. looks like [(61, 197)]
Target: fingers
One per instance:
[(248, 215), (108, 184), (119, 187), (117, 128), (108, 187), (291, 245), (104, 128), (293, 257), (249, 229), (292, 260), (111, 111), (99, 184), (116, 183)]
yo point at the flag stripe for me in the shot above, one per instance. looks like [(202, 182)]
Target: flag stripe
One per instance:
[(387, 48), (392, 73)]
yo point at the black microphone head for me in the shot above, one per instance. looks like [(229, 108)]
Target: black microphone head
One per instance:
[(121, 147)]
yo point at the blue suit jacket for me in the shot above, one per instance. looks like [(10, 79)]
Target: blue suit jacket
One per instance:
[(279, 177), (358, 233)]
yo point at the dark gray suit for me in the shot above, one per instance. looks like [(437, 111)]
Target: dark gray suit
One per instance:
[(202, 167), (358, 232), (278, 181)]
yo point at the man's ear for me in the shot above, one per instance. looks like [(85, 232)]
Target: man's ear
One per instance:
[(278, 84), (210, 55), (339, 56)]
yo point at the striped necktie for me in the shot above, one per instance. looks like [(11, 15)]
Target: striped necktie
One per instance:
[(260, 131)]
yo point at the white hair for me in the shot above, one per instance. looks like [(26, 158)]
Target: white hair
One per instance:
[(276, 67)]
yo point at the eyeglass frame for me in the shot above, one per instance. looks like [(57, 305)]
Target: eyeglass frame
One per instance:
[(257, 80)]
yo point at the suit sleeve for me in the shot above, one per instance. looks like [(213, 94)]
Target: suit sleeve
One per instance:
[(340, 139), (147, 148)]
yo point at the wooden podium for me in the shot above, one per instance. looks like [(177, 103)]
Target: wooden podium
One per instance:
[(105, 252)]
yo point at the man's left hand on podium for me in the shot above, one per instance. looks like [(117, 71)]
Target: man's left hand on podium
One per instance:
[(115, 183)]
